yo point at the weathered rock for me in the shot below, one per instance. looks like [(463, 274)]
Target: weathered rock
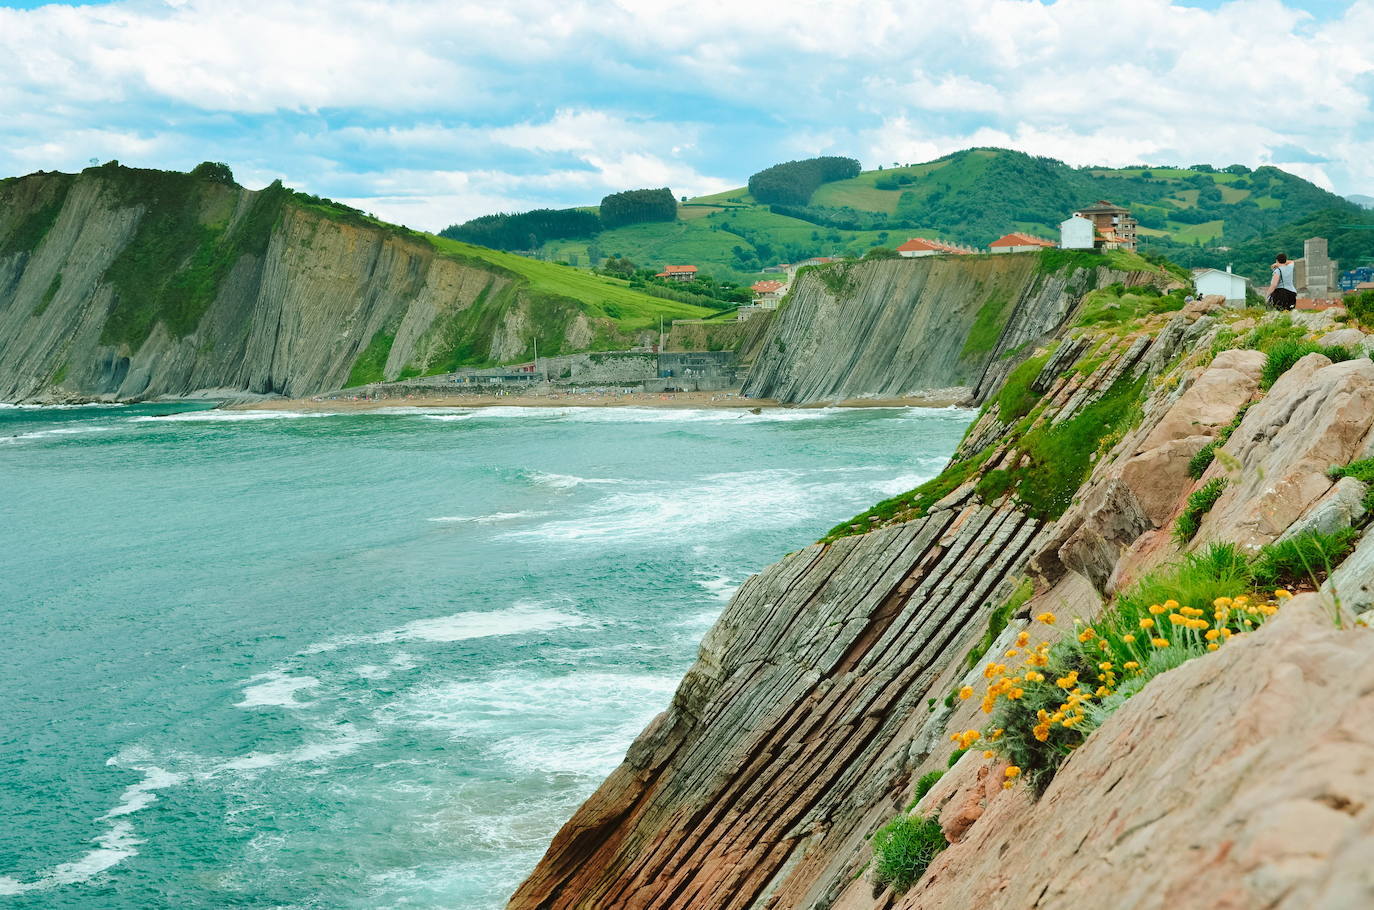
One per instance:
[(892, 329), (1188, 798), (785, 728), (1317, 320), (1341, 507), (1353, 339), (1353, 581), (1317, 415)]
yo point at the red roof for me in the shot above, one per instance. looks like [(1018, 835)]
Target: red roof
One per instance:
[(1016, 238), (920, 244), (766, 287), (677, 269)]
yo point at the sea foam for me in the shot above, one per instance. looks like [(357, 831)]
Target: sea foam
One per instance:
[(520, 618)]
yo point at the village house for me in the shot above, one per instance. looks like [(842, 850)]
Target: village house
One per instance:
[(1016, 242), (678, 272), (1076, 233), (1115, 228), (1227, 284), (923, 246), (768, 292)]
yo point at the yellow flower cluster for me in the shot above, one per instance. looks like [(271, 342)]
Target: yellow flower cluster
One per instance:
[(1118, 653)]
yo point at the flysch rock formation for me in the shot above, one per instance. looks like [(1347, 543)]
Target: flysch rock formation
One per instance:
[(1237, 780), (304, 291), (909, 327)]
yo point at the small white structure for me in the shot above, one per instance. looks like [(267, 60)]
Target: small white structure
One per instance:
[(1076, 233), (1214, 281)]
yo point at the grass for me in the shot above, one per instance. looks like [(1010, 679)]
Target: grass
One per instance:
[(923, 785), (33, 227), (1061, 453), (1116, 306), (49, 295), (1200, 502), (1283, 353), (370, 363), (902, 851), (987, 325), (1303, 559)]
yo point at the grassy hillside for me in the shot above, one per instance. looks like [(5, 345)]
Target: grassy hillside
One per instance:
[(972, 196)]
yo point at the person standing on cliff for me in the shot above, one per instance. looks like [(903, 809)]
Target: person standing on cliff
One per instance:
[(1283, 293)]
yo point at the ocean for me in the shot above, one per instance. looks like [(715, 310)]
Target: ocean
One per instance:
[(283, 660)]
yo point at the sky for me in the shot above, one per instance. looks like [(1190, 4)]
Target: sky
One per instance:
[(430, 113)]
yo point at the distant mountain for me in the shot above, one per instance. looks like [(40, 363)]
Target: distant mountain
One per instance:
[(972, 197), (1366, 202)]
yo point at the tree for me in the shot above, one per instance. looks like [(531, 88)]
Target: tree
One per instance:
[(638, 206), (793, 182)]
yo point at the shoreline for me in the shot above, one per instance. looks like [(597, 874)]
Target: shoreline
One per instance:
[(685, 400)]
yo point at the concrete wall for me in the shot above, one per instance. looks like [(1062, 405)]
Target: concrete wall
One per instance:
[(1076, 234)]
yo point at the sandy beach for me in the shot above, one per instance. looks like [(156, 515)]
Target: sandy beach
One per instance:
[(565, 399)]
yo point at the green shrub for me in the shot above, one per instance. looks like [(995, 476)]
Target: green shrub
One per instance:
[(923, 785), (1016, 399), (1199, 504), (914, 503), (955, 756), (902, 851), (1283, 354), (1199, 463), (1305, 558)]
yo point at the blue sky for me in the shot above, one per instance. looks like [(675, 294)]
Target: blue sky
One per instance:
[(428, 113)]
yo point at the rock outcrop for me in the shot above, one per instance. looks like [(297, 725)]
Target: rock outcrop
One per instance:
[(825, 690), (903, 327), (126, 284)]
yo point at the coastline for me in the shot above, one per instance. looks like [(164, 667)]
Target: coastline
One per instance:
[(692, 400)]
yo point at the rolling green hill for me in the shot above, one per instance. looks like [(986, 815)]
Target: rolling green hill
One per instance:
[(972, 197)]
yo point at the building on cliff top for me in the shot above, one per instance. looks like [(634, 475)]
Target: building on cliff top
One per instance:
[(678, 272), (1115, 227), (1076, 233), (1228, 284), (922, 246), (1017, 242)]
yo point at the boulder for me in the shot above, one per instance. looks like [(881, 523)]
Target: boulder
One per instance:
[(1341, 507), (1353, 339), (1318, 414), (1238, 780), (1353, 580)]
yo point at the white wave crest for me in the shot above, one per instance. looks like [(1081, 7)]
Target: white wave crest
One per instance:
[(521, 618), (58, 431), (350, 740), (276, 689), (493, 518), (215, 416)]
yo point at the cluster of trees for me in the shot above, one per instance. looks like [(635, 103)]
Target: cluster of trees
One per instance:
[(793, 182), (1347, 234), (217, 171), (525, 230), (637, 207), (704, 290)]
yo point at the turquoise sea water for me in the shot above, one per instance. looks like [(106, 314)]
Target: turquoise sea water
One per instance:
[(270, 660)]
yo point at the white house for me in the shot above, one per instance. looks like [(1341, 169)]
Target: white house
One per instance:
[(1214, 281), (1076, 233)]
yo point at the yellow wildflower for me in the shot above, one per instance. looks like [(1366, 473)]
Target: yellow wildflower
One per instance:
[(988, 753), (966, 693), (1131, 665), (1105, 665), (1221, 602), (1012, 772), (1176, 620), (1087, 634), (1147, 623), (1160, 642), (1213, 646), (1067, 682), (1171, 604), (1046, 618), (1282, 594), (1041, 732), (1023, 639), (1212, 635), (1015, 694), (1156, 609), (1128, 639), (1007, 785)]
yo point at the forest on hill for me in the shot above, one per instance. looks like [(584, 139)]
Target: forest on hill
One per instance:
[(1196, 215)]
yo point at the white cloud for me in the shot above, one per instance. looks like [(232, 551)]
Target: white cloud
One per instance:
[(445, 110)]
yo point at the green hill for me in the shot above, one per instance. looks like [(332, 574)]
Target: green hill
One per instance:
[(971, 197)]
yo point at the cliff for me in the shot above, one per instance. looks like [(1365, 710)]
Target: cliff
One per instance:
[(909, 327), (1141, 457), (121, 283)]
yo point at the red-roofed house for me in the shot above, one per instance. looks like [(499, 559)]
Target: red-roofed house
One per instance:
[(767, 290), (678, 272), (1017, 242), (922, 246)]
